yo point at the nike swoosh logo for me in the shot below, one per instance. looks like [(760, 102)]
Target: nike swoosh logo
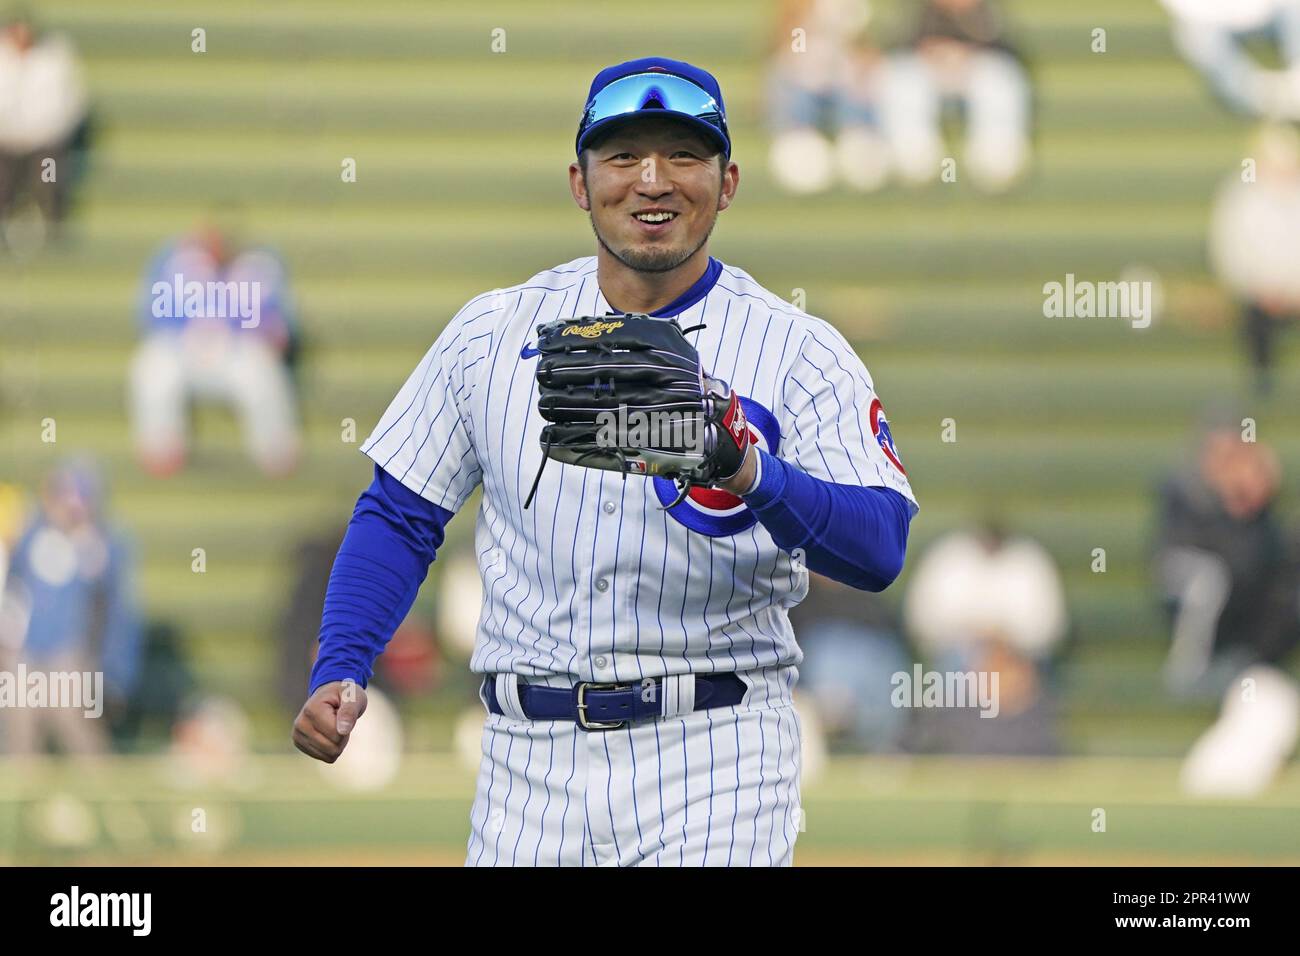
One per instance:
[(529, 352)]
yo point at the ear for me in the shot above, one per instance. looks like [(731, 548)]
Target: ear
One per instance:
[(578, 186), (730, 183)]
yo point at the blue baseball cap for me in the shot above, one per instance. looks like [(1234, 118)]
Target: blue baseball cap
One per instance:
[(655, 86)]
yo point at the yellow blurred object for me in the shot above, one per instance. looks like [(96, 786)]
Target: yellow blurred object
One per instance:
[(13, 512)]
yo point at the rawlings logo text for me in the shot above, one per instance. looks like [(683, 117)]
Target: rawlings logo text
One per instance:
[(593, 330)]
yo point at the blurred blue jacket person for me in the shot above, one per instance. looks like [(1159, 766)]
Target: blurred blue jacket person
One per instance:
[(72, 575)]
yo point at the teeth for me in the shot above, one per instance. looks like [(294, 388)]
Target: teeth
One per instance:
[(655, 216)]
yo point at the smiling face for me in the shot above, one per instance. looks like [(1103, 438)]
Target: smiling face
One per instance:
[(654, 188)]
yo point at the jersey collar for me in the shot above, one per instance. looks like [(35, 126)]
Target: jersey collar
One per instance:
[(694, 294)]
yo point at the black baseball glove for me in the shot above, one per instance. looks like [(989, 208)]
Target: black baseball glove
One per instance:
[(627, 393)]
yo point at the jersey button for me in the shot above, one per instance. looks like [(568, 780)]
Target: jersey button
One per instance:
[(609, 507), (601, 661), (602, 585)]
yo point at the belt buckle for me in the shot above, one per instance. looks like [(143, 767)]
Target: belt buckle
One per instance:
[(583, 687)]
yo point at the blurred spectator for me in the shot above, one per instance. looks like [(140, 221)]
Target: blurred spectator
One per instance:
[(70, 608), (210, 743), (1229, 577), (218, 326), (993, 603), (851, 652), (410, 666), (1226, 567), (1213, 35), (43, 116), (164, 690), (822, 91), (958, 54), (412, 661), (1254, 235)]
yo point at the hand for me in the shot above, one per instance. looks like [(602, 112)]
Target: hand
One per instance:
[(322, 727), (734, 453)]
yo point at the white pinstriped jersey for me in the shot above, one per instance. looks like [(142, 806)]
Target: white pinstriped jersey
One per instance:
[(594, 581)]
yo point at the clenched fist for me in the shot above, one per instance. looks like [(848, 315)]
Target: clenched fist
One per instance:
[(322, 727)]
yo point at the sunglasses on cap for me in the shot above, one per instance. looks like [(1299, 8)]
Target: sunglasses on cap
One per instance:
[(654, 93)]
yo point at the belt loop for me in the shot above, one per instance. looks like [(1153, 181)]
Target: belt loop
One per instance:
[(679, 695), (507, 688)]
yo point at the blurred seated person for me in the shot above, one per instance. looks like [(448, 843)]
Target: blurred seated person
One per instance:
[(1217, 36), (217, 326), (989, 602), (958, 54), (69, 607), (822, 87), (1254, 236), (1229, 576), (851, 651), (42, 112), (1226, 566)]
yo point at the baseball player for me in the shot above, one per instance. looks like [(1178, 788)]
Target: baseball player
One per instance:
[(634, 641)]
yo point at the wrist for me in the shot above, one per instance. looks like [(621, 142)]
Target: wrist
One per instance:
[(744, 480), (771, 481)]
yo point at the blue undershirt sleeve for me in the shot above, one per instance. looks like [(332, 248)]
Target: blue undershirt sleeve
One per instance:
[(391, 540), (853, 534)]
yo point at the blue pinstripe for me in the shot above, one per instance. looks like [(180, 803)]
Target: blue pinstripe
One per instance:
[(735, 804), (762, 780), (609, 797), (546, 778), (713, 788), (523, 811), (559, 854), (659, 769)]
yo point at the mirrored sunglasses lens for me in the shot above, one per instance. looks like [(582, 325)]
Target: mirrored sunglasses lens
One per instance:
[(633, 93)]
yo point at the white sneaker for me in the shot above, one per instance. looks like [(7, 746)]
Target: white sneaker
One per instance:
[(996, 164), (1241, 754), (863, 158)]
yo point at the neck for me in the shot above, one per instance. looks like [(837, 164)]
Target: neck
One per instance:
[(629, 290)]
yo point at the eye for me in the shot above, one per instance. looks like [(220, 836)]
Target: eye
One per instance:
[(684, 154)]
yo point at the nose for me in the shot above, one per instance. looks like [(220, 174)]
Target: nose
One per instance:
[(656, 177)]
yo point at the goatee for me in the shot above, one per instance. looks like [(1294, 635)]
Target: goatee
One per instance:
[(650, 259)]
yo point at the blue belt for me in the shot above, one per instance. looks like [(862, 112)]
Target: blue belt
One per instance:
[(610, 706)]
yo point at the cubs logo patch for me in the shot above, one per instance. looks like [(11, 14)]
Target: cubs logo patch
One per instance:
[(880, 429), (712, 511)]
